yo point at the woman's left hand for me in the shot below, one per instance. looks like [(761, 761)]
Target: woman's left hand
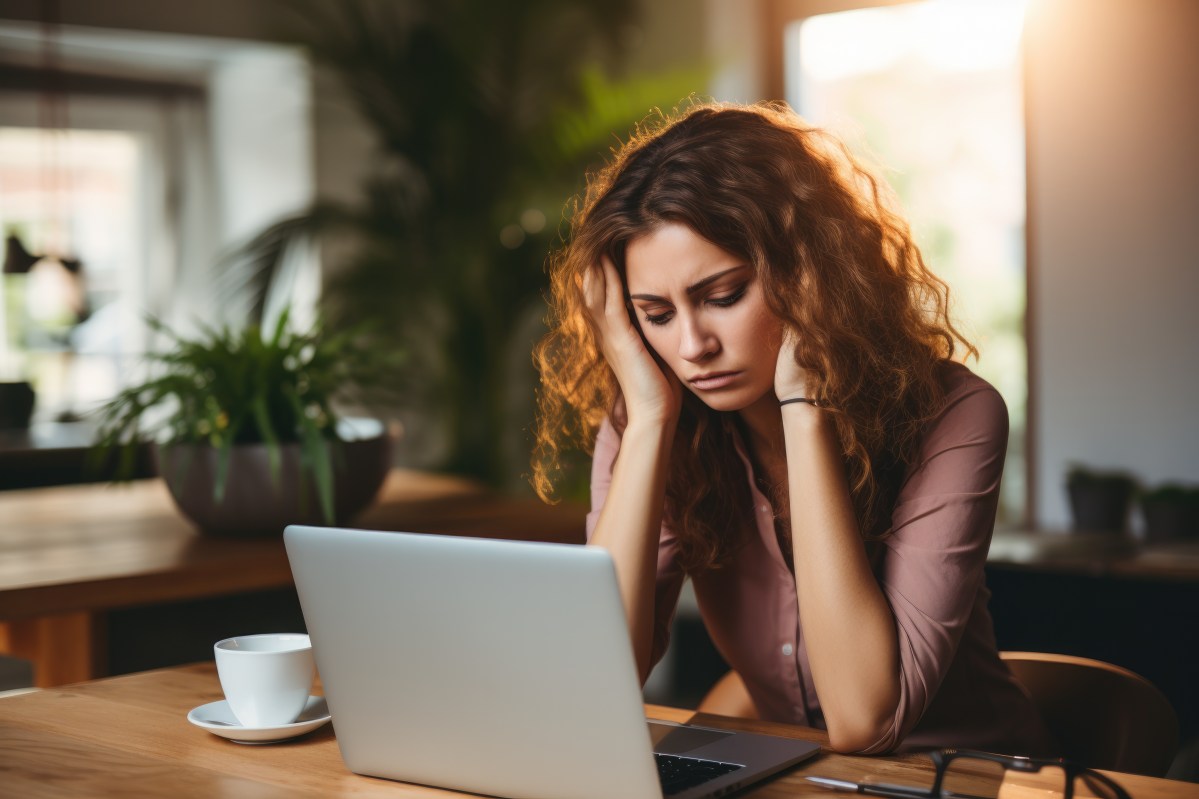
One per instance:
[(790, 379)]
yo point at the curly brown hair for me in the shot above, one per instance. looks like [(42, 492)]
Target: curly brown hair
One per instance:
[(836, 262)]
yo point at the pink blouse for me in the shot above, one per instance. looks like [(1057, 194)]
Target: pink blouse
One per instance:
[(954, 689)]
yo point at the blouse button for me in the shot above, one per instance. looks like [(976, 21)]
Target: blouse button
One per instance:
[(788, 649)]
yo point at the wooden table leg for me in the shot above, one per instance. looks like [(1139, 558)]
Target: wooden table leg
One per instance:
[(63, 649)]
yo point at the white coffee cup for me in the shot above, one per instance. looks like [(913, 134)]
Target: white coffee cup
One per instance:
[(266, 678)]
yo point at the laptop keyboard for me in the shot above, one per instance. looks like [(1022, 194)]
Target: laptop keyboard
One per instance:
[(680, 773)]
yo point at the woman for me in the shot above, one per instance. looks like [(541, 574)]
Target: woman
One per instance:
[(755, 343)]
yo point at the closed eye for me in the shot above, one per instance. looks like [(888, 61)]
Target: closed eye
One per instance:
[(723, 301), (659, 319)]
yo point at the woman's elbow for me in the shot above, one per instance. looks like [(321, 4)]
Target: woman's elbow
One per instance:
[(856, 742), (866, 735)]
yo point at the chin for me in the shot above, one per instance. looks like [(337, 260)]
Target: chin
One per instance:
[(727, 401)]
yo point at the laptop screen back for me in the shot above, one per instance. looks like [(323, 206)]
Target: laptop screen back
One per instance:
[(495, 667)]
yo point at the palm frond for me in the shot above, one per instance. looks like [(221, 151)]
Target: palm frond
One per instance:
[(485, 115)]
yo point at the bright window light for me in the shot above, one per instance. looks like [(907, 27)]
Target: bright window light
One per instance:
[(74, 194), (932, 92)]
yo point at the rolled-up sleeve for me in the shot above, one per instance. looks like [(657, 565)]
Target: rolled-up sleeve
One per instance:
[(932, 565), (669, 575)]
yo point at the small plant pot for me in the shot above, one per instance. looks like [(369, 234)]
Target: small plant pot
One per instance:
[(1170, 518), (16, 405), (255, 504), (1101, 504)]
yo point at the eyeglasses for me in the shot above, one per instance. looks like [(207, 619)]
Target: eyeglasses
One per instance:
[(966, 774)]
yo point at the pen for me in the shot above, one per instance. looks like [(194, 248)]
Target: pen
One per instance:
[(892, 791), (871, 790)]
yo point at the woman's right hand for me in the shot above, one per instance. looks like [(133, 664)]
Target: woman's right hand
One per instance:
[(651, 391)]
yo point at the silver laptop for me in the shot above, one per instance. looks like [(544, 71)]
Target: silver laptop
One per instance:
[(499, 668)]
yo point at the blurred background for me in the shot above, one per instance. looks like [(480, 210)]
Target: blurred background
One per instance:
[(410, 163)]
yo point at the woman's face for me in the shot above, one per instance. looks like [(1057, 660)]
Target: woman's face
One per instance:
[(702, 311)]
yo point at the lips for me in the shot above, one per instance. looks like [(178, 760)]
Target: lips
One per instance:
[(713, 380)]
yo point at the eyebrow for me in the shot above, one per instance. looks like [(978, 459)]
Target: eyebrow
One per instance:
[(694, 287)]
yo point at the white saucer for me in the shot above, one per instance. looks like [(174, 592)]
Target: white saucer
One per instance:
[(218, 719)]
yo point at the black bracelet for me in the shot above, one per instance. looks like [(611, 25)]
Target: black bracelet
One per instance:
[(811, 402)]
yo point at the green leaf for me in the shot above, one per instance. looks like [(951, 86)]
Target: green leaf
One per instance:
[(224, 455), (316, 452), (266, 428)]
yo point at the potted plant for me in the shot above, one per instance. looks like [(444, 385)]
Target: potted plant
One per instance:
[(245, 428), (1171, 511), (1100, 501)]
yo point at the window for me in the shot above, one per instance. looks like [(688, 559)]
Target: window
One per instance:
[(168, 154), (932, 91), (64, 193)]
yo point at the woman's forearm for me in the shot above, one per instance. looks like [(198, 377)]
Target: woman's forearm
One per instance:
[(630, 524), (847, 622)]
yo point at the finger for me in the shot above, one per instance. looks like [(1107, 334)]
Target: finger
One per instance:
[(593, 288), (790, 344), (618, 307), (614, 300)]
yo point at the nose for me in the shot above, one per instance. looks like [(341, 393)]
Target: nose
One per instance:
[(698, 342)]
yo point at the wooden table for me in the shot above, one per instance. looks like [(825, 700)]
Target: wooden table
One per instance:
[(59, 453), (69, 554), (1109, 555), (129, 736)]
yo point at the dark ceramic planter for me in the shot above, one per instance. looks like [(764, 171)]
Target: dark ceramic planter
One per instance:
[(16, 405), (1100, 504), (256, 506), (1170, 519)]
